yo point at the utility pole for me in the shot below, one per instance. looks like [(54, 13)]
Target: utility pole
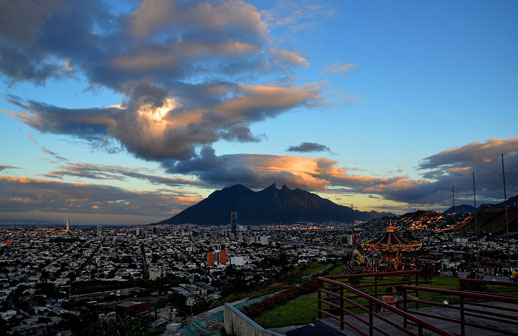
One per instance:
[(453, 214), (453, 198), (352, 230), (476, 225), (506, 219)]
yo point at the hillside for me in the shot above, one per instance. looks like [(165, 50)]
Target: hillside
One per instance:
[(491, 219)]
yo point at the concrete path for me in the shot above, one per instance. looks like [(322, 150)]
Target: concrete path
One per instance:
[(507, 325)]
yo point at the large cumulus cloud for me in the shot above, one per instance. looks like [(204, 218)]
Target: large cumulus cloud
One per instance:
[(180, 66), (154, 126)]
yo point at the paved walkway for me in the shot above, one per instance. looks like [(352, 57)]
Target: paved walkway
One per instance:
[(451, 327)]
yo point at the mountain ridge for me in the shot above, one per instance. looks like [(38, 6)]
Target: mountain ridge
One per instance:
[(469, 208)]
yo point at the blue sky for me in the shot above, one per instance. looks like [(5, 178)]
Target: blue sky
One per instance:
[(403, 99)]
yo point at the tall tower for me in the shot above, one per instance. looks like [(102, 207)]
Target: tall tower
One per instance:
[(68, 225), (99, 230), (233, 222)]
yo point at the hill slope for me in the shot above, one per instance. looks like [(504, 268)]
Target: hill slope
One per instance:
[(492, 219), (267, 206)]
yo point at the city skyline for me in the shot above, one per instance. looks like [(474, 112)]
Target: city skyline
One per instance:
[(128, 112)]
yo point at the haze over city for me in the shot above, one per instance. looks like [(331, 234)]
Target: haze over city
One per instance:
[(127, 112)]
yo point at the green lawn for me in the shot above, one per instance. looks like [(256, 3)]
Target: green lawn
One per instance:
[(313, 267), (303, 310), (337, 270)]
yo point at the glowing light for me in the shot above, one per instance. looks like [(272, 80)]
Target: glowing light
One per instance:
[(153, 117)]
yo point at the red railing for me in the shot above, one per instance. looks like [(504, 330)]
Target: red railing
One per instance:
[(331, 293), (505, 316)]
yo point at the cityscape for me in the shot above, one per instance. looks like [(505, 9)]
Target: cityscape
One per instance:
[(254, 168), (71, 278)]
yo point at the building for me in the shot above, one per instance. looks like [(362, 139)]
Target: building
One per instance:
[(238, 261), (155, 273), (99, 230), (132, 308), (210, 259), (222, 257), (68, 225), (233, 222)]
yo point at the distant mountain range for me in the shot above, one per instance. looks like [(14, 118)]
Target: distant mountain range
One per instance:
[(267, 206), (469, 208)]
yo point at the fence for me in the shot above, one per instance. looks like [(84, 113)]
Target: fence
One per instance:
[(346, 300), (505, 315)]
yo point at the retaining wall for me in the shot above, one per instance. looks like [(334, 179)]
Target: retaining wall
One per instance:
[(238, 324)]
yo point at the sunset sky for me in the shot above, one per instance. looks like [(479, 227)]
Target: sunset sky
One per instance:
[(127, 112)]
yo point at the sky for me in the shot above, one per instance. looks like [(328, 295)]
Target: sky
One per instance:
[(127, 112)]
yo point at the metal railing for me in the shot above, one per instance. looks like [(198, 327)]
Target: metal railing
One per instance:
[(340, 305), (331, 294), (467, 307)]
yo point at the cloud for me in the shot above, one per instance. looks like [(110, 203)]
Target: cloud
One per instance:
[(253, 170), (178, 65), (106, 172), (454, 167), (260, 170), (155, 126), (154, 15), (166, 40), (296, 15), (309, 147), (441, 171), (338, 68), (45, 150), (287, 57), (4, 167), (20, 194)]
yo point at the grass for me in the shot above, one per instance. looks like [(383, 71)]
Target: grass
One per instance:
[(313, 267), (337, 270), (303, 310)]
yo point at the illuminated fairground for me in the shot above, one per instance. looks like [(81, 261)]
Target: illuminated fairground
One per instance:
[(392, 246)]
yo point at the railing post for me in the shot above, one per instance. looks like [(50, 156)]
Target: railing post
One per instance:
[(371, 319), (341, 308), (462, 322), (405, 324), (319, 298), (376, 289), (420, 330), (417, 292)]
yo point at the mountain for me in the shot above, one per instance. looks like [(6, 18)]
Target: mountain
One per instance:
[(492, 219), (460, 209), (419, 214), (267, 206)]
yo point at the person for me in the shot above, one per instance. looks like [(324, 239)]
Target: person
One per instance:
[(388, 298), (400, 299)]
